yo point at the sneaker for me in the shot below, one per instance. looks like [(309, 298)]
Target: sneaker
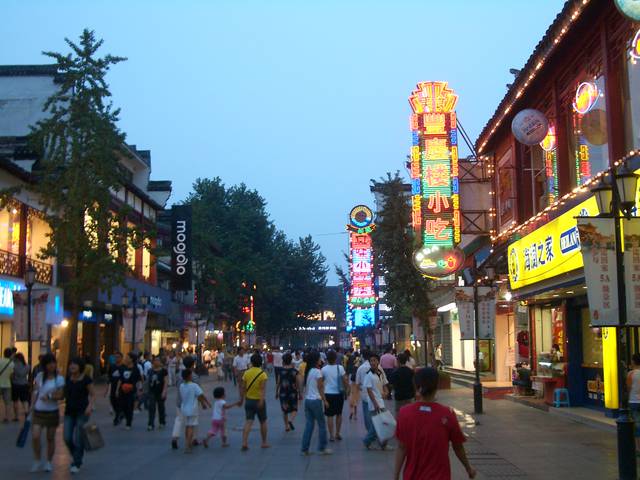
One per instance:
[(326, 451), (48, 467), (174, 443), (36, 467), (74, 469), (388, 448), (161, 427)]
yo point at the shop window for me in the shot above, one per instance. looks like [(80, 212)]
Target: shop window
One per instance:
[(10, 229), (591, 342), (588, 130), (549, 340), (543, 173), (146, 262), (131, 249), (38, 231), (631, 94)]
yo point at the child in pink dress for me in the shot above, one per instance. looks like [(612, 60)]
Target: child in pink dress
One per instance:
[(218, 417)]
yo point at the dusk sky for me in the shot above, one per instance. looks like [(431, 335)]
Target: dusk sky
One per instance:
[(304, 101)]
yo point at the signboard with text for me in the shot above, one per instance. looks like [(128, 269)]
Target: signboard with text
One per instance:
[(631, 229), (181, 257)]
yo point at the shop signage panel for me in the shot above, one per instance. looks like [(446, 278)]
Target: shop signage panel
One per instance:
[(464, 302), (597, 239), (39, 304), (486, 313), (631, 229), (127, 323), (550, 250), (181, 259)]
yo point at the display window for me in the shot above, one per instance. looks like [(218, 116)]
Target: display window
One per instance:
[(591, 342), (550, 352)]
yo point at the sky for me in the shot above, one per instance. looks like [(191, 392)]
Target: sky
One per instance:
[(305, 101)]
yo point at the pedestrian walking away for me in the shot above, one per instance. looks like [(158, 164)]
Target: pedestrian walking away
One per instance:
[(128, 387), (178, 424), (172, 367), (112, 387), (424, 431), (361, 373), (277, 363), (48, 390), (157, 385), (633, 387), (240, 366), (79, 401), (252, 394), (335, 389), (20, 386), (288, 392), (375, 387), (6, 370), (353, 363), (314, 404), (219, 417), (404, 390), (191, 395)]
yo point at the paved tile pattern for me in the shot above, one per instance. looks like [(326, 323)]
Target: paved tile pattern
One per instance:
[(509, 441)]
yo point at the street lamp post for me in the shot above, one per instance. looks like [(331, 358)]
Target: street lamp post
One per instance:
[(612, 199), (144, 301), (29, 281)]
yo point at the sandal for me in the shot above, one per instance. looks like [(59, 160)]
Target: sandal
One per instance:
[(338, 437)]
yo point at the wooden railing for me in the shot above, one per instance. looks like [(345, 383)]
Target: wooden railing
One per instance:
[(13, 266)]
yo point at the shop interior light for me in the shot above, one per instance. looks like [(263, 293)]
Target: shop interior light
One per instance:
[(448, 307)]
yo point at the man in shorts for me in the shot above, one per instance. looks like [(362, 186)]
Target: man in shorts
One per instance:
[(6, 369), (252, 393)]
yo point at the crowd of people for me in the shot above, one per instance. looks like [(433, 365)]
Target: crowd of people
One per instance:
[(318, 382)]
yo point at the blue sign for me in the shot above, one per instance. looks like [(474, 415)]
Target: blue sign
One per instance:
[(569, 240), (7, 288), (364, 317)]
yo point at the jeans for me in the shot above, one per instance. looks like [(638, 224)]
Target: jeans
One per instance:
[(126, 405), (73, 425), (156, 399), (314, 412), (371, 436)]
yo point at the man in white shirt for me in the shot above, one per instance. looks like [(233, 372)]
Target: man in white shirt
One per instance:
[(240, 364), (374, 388), (277, 363)]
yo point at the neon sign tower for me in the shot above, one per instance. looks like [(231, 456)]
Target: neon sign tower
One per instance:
[(434, 176), (361, 299)]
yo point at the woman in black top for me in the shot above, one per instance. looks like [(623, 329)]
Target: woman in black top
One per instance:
[(128, 386), (79, 397), (404, 391)]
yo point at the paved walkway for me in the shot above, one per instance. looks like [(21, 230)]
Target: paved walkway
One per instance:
[(511, 442)]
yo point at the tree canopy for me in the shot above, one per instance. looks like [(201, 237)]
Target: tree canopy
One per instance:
[(235, 242)]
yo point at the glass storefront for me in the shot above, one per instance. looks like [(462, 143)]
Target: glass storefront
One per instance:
[(548, 324)]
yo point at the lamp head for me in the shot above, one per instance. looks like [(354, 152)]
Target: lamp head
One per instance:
[(627, 183), (29, 275), (604, 195)]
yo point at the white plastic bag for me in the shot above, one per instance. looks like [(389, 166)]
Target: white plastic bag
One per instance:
[(385, 425)]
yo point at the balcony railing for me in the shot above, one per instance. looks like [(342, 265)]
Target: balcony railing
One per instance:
[(13, 266)]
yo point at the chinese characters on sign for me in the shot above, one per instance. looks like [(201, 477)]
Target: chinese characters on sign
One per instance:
[(631, 229), (597, 241), (486, 312), (434, 167), (361, 299)]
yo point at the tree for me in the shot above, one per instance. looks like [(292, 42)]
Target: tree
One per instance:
[(236, 243), (407, 291), (79, 147)]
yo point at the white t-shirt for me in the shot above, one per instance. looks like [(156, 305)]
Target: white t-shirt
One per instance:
[(311, 391), (49, 386), (375, 383), (360, 374), (332, 375), (241, 362), (277, 359), (218, 409), (296, 362), (146, 367), (189, 393)]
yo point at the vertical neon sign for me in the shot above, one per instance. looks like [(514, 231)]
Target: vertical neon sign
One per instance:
[(436, 191), (361, 299)]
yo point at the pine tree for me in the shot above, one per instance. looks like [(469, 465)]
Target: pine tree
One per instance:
[(79, 147)]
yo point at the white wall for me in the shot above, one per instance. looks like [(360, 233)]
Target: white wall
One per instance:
[(21, 102)]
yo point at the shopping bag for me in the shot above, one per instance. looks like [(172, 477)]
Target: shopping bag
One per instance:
[(384, 424), (92, 437), (21, 441)]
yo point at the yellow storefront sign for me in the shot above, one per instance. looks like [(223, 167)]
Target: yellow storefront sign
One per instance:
[(550, 250), (610, 366)]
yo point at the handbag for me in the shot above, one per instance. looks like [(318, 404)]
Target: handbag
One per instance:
[(92, 437), (384, 424), (21, 441), (341, 390)]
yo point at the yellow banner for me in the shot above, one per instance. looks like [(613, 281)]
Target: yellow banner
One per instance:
[(550, 250), (610, 366)]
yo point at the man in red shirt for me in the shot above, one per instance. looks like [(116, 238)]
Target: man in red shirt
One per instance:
[(424, 430)]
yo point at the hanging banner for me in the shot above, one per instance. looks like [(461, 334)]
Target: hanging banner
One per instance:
[(39, 302), (181, 258), (464, 302), (127, 323), (486, 313), (631, 229), (597, 239)]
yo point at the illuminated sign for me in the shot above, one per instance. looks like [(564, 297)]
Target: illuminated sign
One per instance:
[(586, 97), (550, 250), (361, 292), (6, 296), (634, 51), (435, 191), (435, 262)]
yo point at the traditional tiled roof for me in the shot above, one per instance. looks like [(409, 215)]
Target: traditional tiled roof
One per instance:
[(28, 70), (552, 37)]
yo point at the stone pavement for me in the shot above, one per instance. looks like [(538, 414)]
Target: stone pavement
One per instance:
[(511, 441)]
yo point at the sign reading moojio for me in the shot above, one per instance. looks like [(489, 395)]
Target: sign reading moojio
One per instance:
[(181, 260)]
